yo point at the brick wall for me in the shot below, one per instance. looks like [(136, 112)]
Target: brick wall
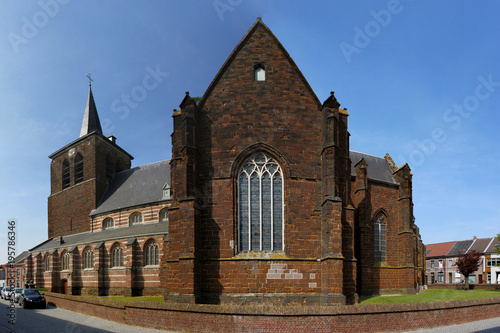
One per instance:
[(69, 208), (272, 318)]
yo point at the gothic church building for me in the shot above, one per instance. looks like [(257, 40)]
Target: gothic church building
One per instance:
[(262, 201)]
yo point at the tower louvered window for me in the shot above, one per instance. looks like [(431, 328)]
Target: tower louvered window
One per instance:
[(78, 169), (260, 204), (65, 174), (379, 238)]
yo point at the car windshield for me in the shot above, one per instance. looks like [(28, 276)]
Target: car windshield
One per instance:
[(19, 290), (8, 289), (30, 292)]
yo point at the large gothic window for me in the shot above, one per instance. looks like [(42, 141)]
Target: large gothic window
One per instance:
[(65, 261), (65, 174), (78, 168), (379, 238), (88, 258), (260, 204), (152, 253), (117, 256)]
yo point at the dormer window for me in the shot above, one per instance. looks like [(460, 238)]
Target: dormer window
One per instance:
[(259, 73), (166, 192)]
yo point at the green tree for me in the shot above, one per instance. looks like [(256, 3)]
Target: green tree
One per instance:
[(498, 246), (467, 264)]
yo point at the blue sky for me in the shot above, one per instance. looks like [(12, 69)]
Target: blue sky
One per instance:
[(420, 79)]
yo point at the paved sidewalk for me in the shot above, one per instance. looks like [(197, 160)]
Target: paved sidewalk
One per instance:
[(482, 326)]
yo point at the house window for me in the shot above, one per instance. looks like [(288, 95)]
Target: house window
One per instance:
[(260, 204), (65, 174), (259, 73), (78, 168), (379, 238), (135, 218), (472, 279), (489, 277), (440, 264), (432, 263), (88, 261), (18, 272), (440, 277), (65, 261), (450, 263), (108, 223), (163, 215), (117, 256), (432, 278), (47, 263), (152, 253)]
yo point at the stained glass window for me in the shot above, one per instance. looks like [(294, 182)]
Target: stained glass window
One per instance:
[(260, 204)]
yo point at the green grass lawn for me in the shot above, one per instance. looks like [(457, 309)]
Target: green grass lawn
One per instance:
[(431, 295)]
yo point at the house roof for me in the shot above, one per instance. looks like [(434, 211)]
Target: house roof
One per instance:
[(378, 168), (460, 247), (136, 230), (140, 185), (438, 249), (493, 246), (480, 244)]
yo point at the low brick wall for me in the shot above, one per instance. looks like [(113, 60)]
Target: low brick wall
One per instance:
[(268, 318), (461, 286)]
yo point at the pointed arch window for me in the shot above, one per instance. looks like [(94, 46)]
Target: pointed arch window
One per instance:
[(379, 227), (65, 261), (65, 174), (78, 168), (88, 261), (117, 256), (260, 204), (47, 263), (152, 253)]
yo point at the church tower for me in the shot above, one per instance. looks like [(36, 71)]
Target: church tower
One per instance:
[(79, 173)]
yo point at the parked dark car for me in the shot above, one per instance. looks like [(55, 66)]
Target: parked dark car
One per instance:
[(32, 298)]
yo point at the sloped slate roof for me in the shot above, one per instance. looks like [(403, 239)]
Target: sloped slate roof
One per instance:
[(140, 185), (438, 249), (378, 168), (104, 235), (460, 247)]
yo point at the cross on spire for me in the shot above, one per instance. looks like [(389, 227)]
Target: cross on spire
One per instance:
[(90, 79)]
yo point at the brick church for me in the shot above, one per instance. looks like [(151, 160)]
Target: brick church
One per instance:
[(262, 201)]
